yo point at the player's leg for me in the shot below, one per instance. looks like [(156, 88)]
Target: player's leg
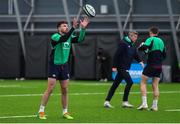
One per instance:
[(64, 81), (101, 72), (112, 89), (155, 88), (105, 71), (143, 89), (64, 99), (52, 74), (48, 91), (45, 97), (127, 89)]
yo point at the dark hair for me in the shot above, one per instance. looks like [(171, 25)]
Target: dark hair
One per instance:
[(60, 23), (154, 30)]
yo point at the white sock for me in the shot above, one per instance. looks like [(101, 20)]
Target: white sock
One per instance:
[(144, 100), (65, 111), (155, 102), (125, 102), (106, 102), (41, 109)]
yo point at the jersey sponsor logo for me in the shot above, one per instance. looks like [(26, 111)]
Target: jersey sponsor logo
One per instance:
[(66, 45)]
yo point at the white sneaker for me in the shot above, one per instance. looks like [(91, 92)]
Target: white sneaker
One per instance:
[(105, 80), (127, 105), (143, 107), (107, 105), (153, 108)]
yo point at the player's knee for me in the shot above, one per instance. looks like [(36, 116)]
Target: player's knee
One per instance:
[(115, 84), (129, 84), (49, 91), (155, 86), (64, 90)]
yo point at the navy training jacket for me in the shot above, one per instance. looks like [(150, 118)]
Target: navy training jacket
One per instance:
[(125, 54)]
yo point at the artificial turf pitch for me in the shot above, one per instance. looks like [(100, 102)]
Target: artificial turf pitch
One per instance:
[(19, 102)]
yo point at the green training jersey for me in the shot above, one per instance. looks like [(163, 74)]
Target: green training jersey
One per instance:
[(156, 50), (61, 50), (155, 43)]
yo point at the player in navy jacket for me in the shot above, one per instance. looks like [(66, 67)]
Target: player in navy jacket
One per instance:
[(123, 58)]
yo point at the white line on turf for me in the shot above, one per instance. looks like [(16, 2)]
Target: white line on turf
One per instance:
[(10, 86), (76, 94), (25, 116), (15, 86), (17, 95), (173, 110)]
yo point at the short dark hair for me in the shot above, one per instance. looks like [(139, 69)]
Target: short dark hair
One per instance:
[(154, 30), (60, 23)]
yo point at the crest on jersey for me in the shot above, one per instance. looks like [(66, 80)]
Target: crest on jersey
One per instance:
[(66, 45)]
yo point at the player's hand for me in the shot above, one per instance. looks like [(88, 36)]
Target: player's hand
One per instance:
[(75, 23), (142, 64), (141, 44), (139, 47), (114, 69), (84, 22)]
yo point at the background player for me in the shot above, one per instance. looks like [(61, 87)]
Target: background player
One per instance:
[(154, 46)]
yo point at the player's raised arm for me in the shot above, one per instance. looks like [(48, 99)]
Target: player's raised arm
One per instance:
[(84, 22)]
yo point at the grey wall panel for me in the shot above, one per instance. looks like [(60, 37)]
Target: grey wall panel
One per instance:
[(85, 59), (109, 44), (86, 65), (24, 7), (123, 5), (150, 7), (3, 6), (9, 56), (49, 7), (37, 50), (176, 6), (56, 6), (7, 25)]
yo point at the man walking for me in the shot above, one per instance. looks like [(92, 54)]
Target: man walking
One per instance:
[(123, 58)]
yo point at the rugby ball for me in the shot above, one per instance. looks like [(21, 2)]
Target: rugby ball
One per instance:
[(89, 10)]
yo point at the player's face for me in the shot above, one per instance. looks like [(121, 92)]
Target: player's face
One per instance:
[(134, 37), (152, 35), (63, 28)]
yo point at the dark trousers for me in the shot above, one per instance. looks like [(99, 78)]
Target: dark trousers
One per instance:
[(122, 74), (104, 71)]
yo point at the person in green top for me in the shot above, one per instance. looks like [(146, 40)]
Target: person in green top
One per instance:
[(155, 48), (58, 67)]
